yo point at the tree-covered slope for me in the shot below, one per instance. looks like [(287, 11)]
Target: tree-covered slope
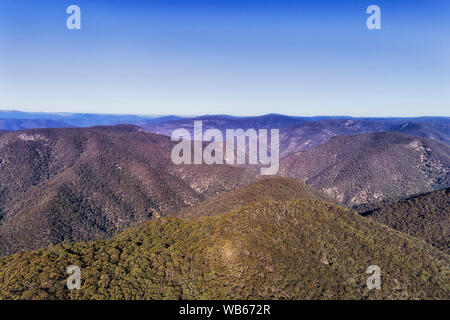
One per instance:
[(303, 249), (425, 216)]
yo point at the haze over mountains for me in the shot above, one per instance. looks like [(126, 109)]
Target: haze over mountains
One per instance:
[(18, 120), (296, 133), (304, 133), (23, 124)]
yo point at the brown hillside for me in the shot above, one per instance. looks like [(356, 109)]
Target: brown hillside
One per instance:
[(80, 184), (372, 167)]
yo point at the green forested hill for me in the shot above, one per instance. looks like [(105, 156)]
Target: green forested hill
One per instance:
[(303, 249)]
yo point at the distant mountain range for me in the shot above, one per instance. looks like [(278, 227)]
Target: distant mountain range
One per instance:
[(372, 167), (296, 133), (17, 120), (23, 124), (266, 249), (307, 135), (304, 133)]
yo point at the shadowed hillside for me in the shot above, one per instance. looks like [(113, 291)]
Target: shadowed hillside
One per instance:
[(372, 167), (81, 184), (304, 249), (438, 130), (425, 216)]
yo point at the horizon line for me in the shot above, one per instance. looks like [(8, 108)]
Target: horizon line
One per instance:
[(155, 115)]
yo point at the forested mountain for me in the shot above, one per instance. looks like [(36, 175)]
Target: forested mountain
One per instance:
[(425, 216), (86, 183), (302, 249)]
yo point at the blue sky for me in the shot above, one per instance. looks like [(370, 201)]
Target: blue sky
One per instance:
[(233, 57)]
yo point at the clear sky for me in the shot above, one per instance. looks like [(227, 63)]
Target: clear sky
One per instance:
[(234, 57)]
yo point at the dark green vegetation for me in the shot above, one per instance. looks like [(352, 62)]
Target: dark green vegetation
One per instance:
[(82, 184), (425, 216), (372, 167), (303, 249)]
